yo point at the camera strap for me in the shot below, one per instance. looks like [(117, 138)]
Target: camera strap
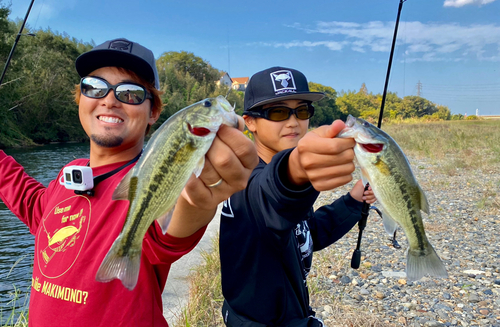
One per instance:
[(102, 177)]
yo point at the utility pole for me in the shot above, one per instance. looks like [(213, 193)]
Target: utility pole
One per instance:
[(419, 89)]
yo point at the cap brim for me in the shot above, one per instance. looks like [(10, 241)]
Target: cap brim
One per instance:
[(307, 96), (92, 60)]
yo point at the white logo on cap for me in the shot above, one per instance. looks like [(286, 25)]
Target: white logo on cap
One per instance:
[(283, 82)]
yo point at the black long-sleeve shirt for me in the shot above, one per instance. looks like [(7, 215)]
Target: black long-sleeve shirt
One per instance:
[(267, 235)]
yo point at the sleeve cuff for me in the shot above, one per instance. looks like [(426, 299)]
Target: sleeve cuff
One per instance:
[(353, 204), (282, 183)]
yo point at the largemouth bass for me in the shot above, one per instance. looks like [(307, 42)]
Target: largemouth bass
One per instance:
[(174, 152), (386, 168)]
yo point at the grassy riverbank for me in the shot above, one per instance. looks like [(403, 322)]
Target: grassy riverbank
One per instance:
[(453, 147), (17, 314)]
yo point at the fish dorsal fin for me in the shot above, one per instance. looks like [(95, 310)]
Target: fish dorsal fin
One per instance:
[(199, 167), (424, 204), (121, 191), (164, 220)]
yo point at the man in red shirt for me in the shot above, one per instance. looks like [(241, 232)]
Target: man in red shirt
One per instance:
[(73, 232)]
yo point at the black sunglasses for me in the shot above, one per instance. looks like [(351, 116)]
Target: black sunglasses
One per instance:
[(129, 93), (280, 113)]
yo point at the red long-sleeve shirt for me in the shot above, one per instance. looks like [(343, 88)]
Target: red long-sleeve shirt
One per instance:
[(73, 233)]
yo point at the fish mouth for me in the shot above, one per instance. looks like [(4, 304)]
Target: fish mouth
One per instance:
[(198, 130), (372, 147)]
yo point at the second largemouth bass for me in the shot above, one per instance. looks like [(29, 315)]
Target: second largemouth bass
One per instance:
[(386, 168)]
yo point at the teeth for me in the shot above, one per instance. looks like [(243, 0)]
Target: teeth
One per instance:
[(110, 119)]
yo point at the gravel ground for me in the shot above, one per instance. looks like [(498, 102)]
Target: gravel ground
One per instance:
[(463, 227)]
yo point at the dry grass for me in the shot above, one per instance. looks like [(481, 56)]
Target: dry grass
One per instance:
[(456, 144), (205, 292), (17, 317)]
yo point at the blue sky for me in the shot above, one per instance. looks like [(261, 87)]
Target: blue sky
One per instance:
[(452, 47)]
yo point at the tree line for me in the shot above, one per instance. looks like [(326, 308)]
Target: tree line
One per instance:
[(37, 103)]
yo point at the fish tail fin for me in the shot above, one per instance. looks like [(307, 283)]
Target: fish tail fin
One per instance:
[(122, 267), (418, 265)]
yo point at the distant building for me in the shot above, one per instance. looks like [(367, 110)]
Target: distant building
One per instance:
[(225, 80), (240, 83)]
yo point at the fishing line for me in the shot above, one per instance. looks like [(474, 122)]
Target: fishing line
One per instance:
[(41, 7)]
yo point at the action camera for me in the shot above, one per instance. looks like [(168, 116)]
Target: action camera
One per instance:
[(77, 178)]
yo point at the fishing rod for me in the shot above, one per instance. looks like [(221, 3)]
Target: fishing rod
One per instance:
[(17, 40), (356, 255)]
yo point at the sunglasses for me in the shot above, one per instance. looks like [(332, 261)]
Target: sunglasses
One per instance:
[(281, 113), (129, 93)]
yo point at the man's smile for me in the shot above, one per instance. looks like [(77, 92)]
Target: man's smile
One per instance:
[(110, 119)]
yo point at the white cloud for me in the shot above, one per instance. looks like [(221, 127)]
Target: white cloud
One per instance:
[(461, 3), (420, 41), (308, 44)]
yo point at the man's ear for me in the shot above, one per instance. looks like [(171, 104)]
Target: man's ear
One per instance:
[(250, 122), (153, 117)]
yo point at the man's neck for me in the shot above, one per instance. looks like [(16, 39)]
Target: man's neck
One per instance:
[(100, 156)]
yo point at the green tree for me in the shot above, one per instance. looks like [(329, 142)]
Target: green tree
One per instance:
[(325, 110), (415, 106), (184, 79), (36, 100)]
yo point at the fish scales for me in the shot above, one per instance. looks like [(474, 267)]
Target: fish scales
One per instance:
[(155, 192), (175, 151), (408, 193), (386, 168)]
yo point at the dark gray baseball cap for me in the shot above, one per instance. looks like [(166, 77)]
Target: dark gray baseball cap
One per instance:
[(120, 53), (277, 84)]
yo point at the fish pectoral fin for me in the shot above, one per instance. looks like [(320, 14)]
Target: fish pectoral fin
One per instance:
[(199, 167), (121, 191), (164, 220), (364, 177), (424, 204), (390, 224)]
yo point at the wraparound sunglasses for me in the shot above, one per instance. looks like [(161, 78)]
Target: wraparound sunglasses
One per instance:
[(126, 92), (280, 113)]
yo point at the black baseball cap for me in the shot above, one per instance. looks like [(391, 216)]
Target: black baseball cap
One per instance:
[(276, 84), (120, 53)]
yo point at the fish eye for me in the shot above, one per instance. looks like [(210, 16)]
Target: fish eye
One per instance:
[(207, 104), (366, 124)]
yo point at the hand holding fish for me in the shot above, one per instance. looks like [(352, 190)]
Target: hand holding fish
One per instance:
[(323, 159), (358, 193), (231, 159)]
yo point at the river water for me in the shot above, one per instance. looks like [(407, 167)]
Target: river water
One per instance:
[(16, 243)]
